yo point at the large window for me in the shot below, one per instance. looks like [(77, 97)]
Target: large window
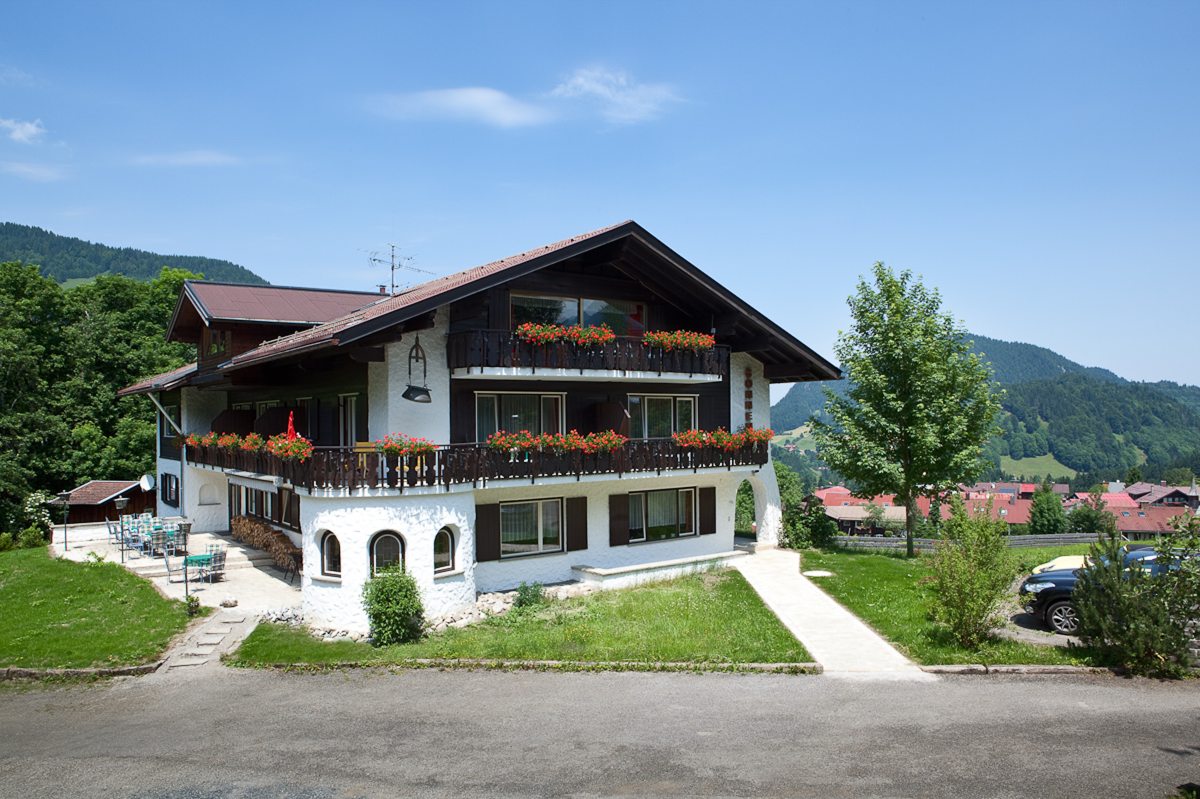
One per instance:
[(625, 317), (660, 416), (527, 528), (657, 515), (347, 420), (168, 489), (168, 423), (537, 413), (387, 549)]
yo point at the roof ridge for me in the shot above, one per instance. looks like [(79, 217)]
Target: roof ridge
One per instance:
[(274, 286)]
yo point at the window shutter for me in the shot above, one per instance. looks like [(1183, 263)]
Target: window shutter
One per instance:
[(708, 510), (618, 520), (487, 532), (577, 538)]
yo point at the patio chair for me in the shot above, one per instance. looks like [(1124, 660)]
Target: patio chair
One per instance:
[(114, 531), (214, 569)]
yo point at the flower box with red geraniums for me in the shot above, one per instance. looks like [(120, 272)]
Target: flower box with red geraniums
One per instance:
[(252, 442), (584, 336), (295, 449), (398, 445), (201, 440), (722, 439), (229, 441), (574, 441), (671, 340)]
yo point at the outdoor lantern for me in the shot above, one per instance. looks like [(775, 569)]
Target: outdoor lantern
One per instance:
[(416, 393)]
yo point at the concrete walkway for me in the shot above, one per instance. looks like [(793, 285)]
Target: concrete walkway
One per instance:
[(834, 636)]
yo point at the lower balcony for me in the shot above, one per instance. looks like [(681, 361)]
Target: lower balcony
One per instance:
[(341, 468)]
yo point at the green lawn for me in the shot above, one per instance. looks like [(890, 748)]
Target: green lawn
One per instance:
[(890, 593), (1038, 467), (61, 614), (714, 617)]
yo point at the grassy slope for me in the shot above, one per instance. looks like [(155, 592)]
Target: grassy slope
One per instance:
[(60, 614), (714, 617), (1040, 466), (888, 593)]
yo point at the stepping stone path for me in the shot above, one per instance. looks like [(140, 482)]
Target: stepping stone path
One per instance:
[(219, 634)]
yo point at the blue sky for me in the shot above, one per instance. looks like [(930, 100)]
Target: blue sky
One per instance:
[(1037, 162)]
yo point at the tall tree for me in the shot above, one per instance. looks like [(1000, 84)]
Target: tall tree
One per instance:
[(921, 403), (1046, 516)]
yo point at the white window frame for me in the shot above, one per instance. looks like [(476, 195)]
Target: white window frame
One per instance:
[(541, 395), (645, 521), (165, 428), (449, 566), (541, 530), (328, 536), (347, 419), (375, 539), (676, 427)]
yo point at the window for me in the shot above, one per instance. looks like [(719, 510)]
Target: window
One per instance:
[(443, 550), (527, 528), (347, 420), (537, 413), (387, 549), (304, 419), (265, 405), (331, 555), (168, 489), (165, 427), (288, 503), (657, 515), (660, 416), (215, 342), (625, 317)]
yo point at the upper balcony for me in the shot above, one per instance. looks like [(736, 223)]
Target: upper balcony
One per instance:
[(345, 469), (501, 354)]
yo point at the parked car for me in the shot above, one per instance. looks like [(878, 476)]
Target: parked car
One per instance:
[(1077, 561), (1047, 594)]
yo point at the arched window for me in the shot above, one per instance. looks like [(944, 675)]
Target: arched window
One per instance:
[(331, 555), (387, 548), (443, 550)]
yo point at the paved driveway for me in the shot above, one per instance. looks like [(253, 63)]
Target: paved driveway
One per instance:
[(229, 733)]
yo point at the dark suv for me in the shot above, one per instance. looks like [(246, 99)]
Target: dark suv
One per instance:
[(1048, 594)]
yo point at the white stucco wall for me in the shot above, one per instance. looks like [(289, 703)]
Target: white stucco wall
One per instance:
[(425, 420), (337, 602), (200, 408), (207, 516), (768, 511)]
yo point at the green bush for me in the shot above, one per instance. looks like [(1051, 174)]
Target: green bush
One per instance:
[(808, 526), (971, 573), (31, 538), (1137, 621), (393, 604), (529, 595), (7, 542)]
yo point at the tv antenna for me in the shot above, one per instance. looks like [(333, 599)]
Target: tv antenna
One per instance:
[(394, 263)]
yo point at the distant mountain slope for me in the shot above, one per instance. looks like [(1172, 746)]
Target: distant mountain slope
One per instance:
[(64, 258), (1012, 362), (1188, 395)]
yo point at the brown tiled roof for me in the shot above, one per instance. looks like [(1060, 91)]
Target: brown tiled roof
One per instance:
[(162, 382), (328, 333), (97, 492), (274, 304), (1146, 520)]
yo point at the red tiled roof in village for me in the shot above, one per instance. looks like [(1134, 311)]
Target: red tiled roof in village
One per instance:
[(97, 492), (1147, 520), (327, 333)]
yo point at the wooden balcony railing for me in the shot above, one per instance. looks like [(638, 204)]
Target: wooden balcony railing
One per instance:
[(504, 349), (336, 468)]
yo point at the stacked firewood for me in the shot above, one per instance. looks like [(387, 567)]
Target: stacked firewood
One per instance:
[(260, 535)]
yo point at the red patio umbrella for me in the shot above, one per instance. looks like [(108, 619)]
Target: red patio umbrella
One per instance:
[(291, 426)]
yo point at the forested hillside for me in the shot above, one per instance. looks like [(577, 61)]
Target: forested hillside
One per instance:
[(63, 355), (64, 258), (1088, 419)]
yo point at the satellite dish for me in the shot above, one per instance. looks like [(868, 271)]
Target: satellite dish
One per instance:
[(147, 482)]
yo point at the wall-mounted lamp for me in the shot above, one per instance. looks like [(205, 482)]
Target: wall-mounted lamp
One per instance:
[(416, 393)]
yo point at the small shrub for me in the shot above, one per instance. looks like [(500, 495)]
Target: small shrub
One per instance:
[(31, 538), (529, 595), (392, 600), (971, 574), (7, 542), (808, 526), (1136, 620), (193, 605)]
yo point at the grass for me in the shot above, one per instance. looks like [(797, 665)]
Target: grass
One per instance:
[(61, 614), (801, 437), (889, 592), (715, 617), (1038, 467)]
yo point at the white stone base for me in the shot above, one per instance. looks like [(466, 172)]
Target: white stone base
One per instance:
[(627, 576)]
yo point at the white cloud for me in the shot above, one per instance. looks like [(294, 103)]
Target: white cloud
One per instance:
[(621, 99), (39, 173), (188, 158), (11, 76), (468, 104), (23, 132)]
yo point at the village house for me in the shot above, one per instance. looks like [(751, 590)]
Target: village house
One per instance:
[(461, 362)]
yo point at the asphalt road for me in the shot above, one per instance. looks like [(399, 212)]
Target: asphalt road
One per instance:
[(230, 733)]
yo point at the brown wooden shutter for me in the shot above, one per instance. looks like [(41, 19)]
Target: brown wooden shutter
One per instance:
[(487, 532), (618, 520), (577, 531), (708, 510)]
